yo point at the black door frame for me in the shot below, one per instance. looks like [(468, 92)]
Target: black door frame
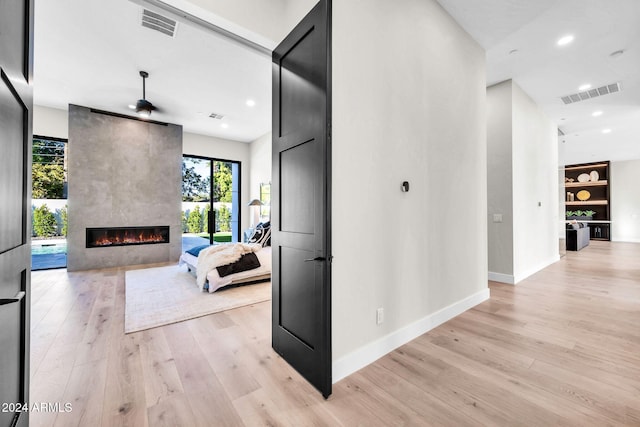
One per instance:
[(211, 201), (16, 77)]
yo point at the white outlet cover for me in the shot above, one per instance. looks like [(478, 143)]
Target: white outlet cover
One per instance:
[(497, 217)]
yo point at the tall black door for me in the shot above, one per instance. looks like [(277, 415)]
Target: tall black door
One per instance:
[(15, 256), (301, 198)]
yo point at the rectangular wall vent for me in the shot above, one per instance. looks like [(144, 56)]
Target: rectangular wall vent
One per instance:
[(216, 116), (159, 23), (591, 93)]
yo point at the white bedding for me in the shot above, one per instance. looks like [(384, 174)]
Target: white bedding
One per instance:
[(216, 282)]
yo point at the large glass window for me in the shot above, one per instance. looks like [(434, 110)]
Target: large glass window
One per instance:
[(49, 203), (210, 201)]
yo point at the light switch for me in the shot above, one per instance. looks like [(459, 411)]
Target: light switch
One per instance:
[(497, 217)]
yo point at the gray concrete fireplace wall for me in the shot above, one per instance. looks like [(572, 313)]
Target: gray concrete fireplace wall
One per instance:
[(122, 172)]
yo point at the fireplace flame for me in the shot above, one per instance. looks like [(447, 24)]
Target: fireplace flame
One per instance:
[(128, 237)]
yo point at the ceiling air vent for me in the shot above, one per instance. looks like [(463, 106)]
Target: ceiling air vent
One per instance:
[(216, 116), (158, 22), (591, 93)]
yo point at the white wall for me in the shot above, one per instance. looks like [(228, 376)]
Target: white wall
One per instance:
[(260, 161), (625, 201), (499, 181), (50, 122), (535, 187), (408, 104), (525, 185)]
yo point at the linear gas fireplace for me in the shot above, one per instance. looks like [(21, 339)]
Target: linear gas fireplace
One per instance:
[(124, 236)]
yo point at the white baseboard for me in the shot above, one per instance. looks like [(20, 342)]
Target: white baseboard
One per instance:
[(371, 352), (502, 278), (520, 277), (514, 279), (625, 240)]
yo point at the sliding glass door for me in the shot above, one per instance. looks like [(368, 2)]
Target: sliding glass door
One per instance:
[(210, 201)]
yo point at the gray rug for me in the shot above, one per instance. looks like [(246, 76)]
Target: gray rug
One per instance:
[(163, 295)]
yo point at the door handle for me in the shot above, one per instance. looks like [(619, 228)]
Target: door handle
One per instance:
[(318, 258), (17, 298)]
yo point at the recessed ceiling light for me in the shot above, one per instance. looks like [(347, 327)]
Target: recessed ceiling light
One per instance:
[(606, 130), (565, 40), (585, 86), (133, 107), (596, 113), (200, 113), (224, 126), (251, 102), (513, 51)]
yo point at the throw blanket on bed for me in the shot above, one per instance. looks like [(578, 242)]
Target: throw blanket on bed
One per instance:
[(219, 255)]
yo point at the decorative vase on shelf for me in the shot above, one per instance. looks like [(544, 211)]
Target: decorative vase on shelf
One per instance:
[(594, 175)]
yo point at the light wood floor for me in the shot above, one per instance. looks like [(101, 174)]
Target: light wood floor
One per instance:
[(561, 348)]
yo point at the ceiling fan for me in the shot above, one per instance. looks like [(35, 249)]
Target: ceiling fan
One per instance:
[(143, 107)]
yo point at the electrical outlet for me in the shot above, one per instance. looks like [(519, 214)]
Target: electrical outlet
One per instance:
[(497, 217), (379, 315)]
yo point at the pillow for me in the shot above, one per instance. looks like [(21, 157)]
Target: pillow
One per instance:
[(246, 262), (262, 234), (196, 250)]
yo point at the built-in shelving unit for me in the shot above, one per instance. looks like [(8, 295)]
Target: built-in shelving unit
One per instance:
[(598, 199)]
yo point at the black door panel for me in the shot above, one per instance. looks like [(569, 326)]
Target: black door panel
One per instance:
[(300, 203)]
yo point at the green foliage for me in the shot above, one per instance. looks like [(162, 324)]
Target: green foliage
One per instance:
[(194, 187), (44, 222), (223, 180), (580, 213), (223, 219), (48, 152), (194, 222), (65, 220), (48, 181)]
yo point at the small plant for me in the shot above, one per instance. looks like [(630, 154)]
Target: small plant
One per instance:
[(589, 213), (570, 213)]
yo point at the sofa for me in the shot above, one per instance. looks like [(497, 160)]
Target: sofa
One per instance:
[(578, 234)]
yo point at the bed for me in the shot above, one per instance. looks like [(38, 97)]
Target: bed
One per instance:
[(215, 281), (231, 264)]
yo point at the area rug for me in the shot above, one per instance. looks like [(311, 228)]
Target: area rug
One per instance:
[(163, 295)]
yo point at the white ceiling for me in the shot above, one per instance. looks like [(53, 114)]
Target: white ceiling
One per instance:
[(546, 72), (89, 52)]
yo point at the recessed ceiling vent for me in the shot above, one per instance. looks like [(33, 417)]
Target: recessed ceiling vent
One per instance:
[(159, 23), (216, 116), (591, 93)]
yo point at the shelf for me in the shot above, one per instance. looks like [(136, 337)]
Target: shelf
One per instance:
[(587, 203), (592, 166), (586, 184)]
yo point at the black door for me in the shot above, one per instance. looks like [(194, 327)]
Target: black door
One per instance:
[(301, 198), (15, 163)]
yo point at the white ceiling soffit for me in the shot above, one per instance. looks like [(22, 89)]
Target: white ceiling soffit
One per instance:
[(189, 18)]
